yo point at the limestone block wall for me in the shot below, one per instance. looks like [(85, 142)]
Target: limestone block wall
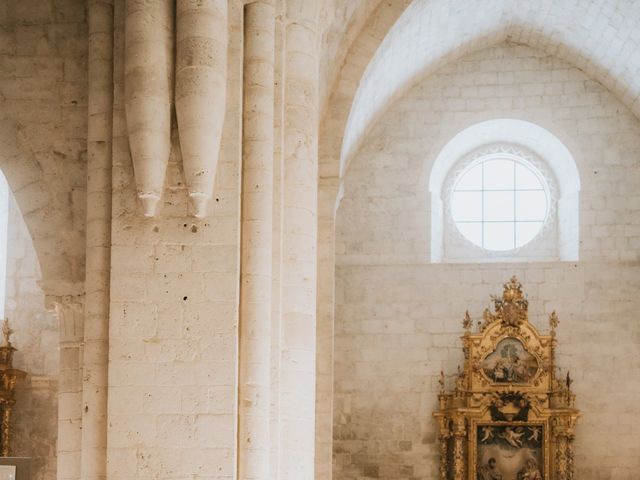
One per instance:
[(509, 81), (36, 338), (43, 129), (398, 316), (398, 326), (43, 142), (174, 301)]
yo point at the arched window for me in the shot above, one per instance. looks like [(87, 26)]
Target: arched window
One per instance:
[(500, 201), (504, 190)]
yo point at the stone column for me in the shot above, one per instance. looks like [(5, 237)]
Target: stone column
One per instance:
[(327, 196), (299, 243), (276, 285), (98, 248), (69, 312), (256, 261)]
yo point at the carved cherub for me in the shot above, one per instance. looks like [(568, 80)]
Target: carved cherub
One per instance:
[(513, 437), (534, 434), (487, 433)]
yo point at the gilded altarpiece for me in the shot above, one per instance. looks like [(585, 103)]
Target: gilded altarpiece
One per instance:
[(510, 415)]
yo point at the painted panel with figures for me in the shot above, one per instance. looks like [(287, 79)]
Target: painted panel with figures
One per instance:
[(508, 413), (510, 452), (510, 363)]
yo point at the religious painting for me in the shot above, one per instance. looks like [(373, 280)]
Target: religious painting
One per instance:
[(510, 452), (510, 363)]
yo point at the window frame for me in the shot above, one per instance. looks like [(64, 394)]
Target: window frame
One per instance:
[(476, 253), (480, 162)]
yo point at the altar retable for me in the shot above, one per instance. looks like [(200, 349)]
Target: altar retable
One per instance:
[(510, 414)]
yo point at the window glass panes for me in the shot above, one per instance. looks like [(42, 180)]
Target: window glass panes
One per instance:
[(499, 174), (498, 206), (472, 231), (531, 205), (472, 180), (467, 206), (526, 231), (500, 203), (498, 235), (526, 179)]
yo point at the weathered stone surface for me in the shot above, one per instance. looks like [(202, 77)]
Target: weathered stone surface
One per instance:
[(398, 317), (362, 390)]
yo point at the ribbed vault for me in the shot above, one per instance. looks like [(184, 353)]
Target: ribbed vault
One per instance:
[(594, 36)]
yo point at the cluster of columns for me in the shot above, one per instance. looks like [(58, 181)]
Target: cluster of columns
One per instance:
[(200, 81), (254, 425), (295, 392)]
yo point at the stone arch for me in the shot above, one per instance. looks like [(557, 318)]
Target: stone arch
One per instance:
[(430, 34), (35, 194), (341, 86), (440, 33), (35, 331), (344, 85)]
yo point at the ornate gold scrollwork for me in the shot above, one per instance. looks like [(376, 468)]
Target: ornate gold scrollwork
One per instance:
[(9, 378), (508, 398)]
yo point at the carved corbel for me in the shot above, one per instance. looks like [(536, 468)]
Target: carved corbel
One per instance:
[(147, 84), (201, 85)]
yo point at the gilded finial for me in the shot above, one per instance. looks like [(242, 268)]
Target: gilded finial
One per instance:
[(441, 382), (512, 307), (553, 322), (460, 380), (512, 290), (467, 323), (487, 318), (6, 333)]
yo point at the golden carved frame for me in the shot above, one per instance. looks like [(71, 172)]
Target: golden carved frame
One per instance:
[(510, 389)]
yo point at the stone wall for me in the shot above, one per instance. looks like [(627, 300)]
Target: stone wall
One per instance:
[(43, 129), (43, 143), (36, 338), (398, 317), (174, 301)]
